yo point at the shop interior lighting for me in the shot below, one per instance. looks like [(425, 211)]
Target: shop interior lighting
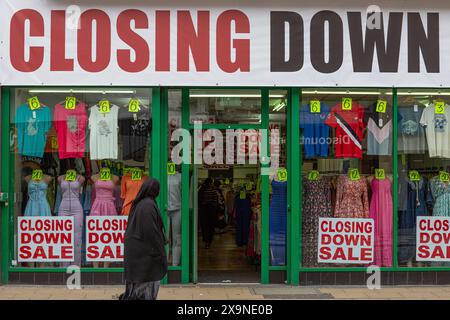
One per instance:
[(233, 95), (81, 91)]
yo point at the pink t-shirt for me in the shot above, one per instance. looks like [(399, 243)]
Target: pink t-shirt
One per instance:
[(70, 126)]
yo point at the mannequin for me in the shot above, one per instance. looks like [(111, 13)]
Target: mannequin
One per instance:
[(37, 204), (174, 214), (70, 206), (129, 188), (104, 200)]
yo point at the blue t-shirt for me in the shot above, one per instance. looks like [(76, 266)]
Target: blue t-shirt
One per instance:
[(32, 128), (315, 132)]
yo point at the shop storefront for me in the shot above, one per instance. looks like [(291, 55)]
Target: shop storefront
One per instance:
[(295, 143)]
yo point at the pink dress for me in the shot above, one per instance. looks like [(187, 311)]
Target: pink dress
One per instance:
[(381, 213), (104, 199)]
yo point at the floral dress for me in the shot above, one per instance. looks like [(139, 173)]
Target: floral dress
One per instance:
[(441, 194), (316, 203), (352, 199)]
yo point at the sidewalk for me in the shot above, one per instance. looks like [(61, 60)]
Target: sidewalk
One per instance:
[(227, 292)]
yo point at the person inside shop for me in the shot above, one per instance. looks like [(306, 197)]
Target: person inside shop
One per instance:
[(145, 260), (208, 200), (221, 223)]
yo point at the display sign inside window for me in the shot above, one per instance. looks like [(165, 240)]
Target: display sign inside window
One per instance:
[(439, 107), (105, 174), (379, 174), (45, 239), (354, 174), (282, 174), (136, 174), (314, 106), (34, 103), (433, 239), (381, 106), (104, 106), (414, 175), (171, 169), (313, 175), (133, 106), (347, 104), (349, 241), (104, 238), (444, 176), (71, 175), (37, 175), (71, 103)]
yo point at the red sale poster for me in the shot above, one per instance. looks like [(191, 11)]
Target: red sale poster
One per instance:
[(433, 239)]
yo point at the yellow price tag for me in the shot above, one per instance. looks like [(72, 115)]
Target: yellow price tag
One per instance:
[(37, 175), (381, 106), (242, 195), (71, 103), (347, 104), (34, 103), (444, 176), (379, 174), (314, 106), (171, 169), (134, 106), (104, 106), (354, 174), (136, 174), (282, 175), (227, 181), (439, 107), (313, 175), (248, 186), (105, 174), (71, 175), (54, 142), (414, 175)]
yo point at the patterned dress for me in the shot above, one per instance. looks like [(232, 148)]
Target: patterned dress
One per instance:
[(352, 199), (316, 203), (441, 194)]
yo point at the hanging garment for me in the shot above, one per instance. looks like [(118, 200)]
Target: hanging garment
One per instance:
[(411, 135), (70, 126), (379, 131), (412, 196), (277, 223), (316, 203), (32, 127), (104, 199), (37, 205), (351, 198), (103, 140), (129, 189), (349, 125), (381, 213), (315, 132), (71, 207), (441, 195), (243, 213), (135, 128), (437, 131)]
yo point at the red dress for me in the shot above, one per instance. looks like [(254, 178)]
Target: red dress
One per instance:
[(352, 200)]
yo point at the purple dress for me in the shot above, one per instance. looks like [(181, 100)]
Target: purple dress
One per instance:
[(71, 207), (104, 203)]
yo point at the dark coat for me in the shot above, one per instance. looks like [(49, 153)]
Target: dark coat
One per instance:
[(144, 253)]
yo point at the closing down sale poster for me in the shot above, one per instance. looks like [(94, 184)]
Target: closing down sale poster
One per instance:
[(218, 43)]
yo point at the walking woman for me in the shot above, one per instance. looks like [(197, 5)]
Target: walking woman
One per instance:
[(145, 260)]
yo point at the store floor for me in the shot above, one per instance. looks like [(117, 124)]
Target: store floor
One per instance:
[(224, 261)]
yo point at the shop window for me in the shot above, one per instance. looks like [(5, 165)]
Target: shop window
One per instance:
[(78, 155), (347, 183), (241, 106), (423, 184)]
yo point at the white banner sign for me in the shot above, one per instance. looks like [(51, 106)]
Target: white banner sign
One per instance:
[(104, 238), (45, 239), (218, 43), (433, 239), (346, 240)]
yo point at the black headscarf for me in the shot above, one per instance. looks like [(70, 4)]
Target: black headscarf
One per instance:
[(149, 189)]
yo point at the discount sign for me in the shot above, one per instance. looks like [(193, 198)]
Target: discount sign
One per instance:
[(433, 239), (104, 238), (345, 240), (46, 239)]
